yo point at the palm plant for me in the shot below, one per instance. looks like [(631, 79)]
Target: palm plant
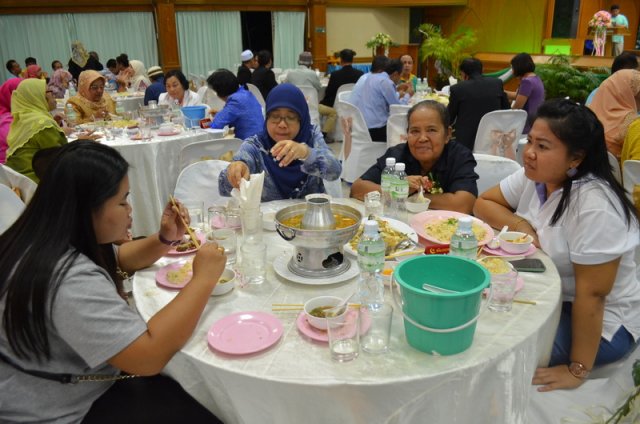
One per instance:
[(563, 80), (449, 51)]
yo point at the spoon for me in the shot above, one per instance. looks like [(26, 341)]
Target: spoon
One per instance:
[(495, 241), (339, 308), (436, 289), (420, 198)]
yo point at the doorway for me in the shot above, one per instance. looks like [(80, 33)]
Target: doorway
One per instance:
[(256, 31)]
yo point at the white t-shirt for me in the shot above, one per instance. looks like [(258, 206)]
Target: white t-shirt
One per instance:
[(190, 98), (592, 230)]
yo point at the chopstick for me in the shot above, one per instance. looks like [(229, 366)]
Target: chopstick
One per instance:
[(523, 301), (193, 236)]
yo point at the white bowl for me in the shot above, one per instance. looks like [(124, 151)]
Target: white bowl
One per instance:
[(417, 207), (225, 287), (509, 244), (269, 221), (316, 302)]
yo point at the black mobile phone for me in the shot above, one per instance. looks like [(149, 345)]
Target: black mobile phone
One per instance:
[(529, 265)]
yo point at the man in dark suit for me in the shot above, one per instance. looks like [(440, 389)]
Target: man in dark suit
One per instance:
[(263, 77), (471, 98), (345, 75), (249, 63)]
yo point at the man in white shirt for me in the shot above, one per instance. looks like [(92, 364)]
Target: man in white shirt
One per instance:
[(618, 20)]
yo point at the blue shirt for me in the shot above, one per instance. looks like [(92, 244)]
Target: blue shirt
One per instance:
[(321, 164), (154, 90), (377, 94), (243, 112)]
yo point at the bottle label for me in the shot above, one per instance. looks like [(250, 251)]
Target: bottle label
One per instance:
[(400, 191)]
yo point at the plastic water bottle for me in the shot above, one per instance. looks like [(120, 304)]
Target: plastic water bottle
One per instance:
[(72, 89), (388, 175), (119, 107), (464, 243), (371, 250), (400, 192), (70, 113)]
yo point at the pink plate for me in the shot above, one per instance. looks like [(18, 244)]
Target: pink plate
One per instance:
[(161, 276), (500, 252), (163, 134), (174, 252), (322, 336), (244, 332), (418, 221)]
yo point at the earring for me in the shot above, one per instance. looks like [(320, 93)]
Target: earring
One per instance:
[(571, 172)]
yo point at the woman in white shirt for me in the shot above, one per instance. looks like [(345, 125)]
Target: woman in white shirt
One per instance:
[(567, 198), (178, 92)]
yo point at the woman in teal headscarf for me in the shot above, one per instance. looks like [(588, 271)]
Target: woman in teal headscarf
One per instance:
[(33, 128)]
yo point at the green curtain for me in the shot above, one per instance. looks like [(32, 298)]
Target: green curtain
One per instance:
[(208, 41), (45, 37), (111, 34), (288, 39)]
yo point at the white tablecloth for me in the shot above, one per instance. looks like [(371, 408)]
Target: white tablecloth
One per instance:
[(154, 168), (295, 381)]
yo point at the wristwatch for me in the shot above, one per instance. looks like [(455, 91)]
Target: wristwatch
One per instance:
[(168, 242), (578, 370)]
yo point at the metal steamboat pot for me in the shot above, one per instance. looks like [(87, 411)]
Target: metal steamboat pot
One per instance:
[(154, 115)]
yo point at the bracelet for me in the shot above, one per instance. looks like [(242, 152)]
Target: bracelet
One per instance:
[(518, 222), (578, 370), (168, 242)]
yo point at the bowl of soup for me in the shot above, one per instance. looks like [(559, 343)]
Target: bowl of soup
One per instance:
[(317, 309), (226, 282), (515, 242)]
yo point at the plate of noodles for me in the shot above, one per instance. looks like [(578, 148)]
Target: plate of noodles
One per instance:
[(393, 232), (175, 275), (438, 227)]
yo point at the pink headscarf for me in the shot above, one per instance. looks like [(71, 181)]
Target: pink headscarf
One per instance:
[(6, 119), (56, 83), (32, 71)]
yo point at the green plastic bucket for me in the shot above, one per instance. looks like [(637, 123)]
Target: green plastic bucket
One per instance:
[(440, 323)]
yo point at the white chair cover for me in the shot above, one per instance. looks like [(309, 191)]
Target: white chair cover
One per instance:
[(10, 207), (311, 95), (396, 129), (631, 175), (209, 97), (207, 150), (399, 108), (493, 169), (256, 92), (15, 180), (344, 88), (343, 96), (499, 131), (615, 167), (199, 182), (359, 151)]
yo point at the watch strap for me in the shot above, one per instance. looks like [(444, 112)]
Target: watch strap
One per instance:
[(578, 370), (168, 242)]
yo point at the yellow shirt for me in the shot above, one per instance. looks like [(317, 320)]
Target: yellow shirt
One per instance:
[(631, 146)]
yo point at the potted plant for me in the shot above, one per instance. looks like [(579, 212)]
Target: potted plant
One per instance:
[(379, 44), (563, 80), (447, 51)]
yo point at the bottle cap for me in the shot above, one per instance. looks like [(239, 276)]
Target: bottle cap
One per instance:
[(464, 223), (370, 227), (390, 161), (399, 166)]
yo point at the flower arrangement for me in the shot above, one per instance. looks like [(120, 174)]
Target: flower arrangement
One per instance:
[(599, 24), (629, 409), (379, 40)]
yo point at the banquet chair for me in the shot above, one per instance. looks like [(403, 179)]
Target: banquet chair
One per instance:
[(199, 182), (359, 151), (399, 108), (207, 150), (10, 207), (256, 92), (209, 97), (396, 129), (499, 131), (343, 96), (311, 95), (493, 169), (20, 184), (337, 132), (615, 167)]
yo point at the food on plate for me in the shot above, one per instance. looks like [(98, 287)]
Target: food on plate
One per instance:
[(390, 236), (342, 221), (495, 265), (180, 275), (322, 312), (443, 229), (124, 123)]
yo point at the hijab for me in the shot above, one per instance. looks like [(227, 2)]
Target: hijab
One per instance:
[(87, 78), (79, 54), (30, 111), (56, 82), (288, 178), (32, 71), (6, 118), (615, 106), (140, 80)]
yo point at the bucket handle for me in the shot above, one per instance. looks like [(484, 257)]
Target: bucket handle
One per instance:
[(436, 330)]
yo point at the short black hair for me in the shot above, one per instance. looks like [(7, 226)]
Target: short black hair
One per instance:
[(123, 59), (625, 60), (95, 55), (111, 63), (522, 63), (379, 63), (30, 61), (615, 7), (393, 65), (179, 75), (10, 63), (264, 57), (223, 82), (471, 66), (346, 55), (53, 64)]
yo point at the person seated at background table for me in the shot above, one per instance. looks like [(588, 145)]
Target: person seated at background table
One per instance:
[(289, 149), (471, 98), (178, 92), (530, 94), (347, 74), (14, 68), (125, 72), (92, 102), (66, 312), (249, 63), (140, 80), (56, 64), (6, 90), (263, 77), (616, 104), (406, 76), (625, 60), (59, 83), (32, 71), (81, 61), (567, 198), (33, 128), (444, 168), (157, 87), (378, 92), (241, 110)]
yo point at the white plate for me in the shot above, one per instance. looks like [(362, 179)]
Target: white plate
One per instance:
[(281, 268), (396, 225)]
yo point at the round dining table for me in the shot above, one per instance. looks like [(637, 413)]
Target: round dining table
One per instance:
[(296, 381)]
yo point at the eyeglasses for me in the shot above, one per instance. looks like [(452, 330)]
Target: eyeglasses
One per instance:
[(275, 119), (96, 87)]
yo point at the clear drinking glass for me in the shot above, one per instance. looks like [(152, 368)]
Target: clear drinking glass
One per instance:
[(225, 238), (344, 336), (251, 224), (376, 338), (196, 214), (254, 262), (503, 287)]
